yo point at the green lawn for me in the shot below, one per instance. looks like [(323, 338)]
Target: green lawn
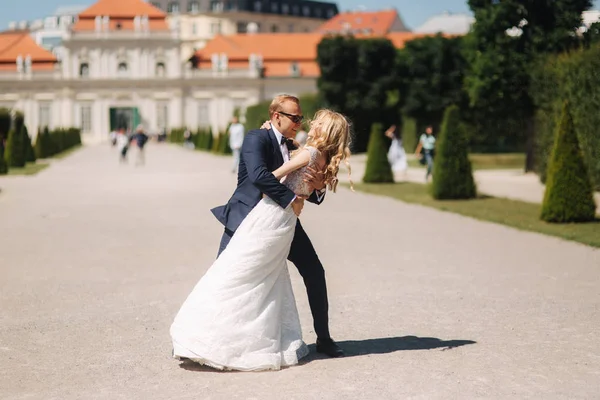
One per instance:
[(29, 169), (489, 161), (66, 153), (517, 214)]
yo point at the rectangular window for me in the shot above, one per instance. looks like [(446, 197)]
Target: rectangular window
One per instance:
[(203, 114), (44, 116), (86, 118), (162, 115)]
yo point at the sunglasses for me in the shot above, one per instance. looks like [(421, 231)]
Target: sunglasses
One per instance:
[(294, 118)]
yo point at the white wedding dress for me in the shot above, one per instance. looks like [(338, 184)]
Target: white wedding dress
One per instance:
[(242, 314)]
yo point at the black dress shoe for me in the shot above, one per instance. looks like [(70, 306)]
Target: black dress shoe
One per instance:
[(329, 347)]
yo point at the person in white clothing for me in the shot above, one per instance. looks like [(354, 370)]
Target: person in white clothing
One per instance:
[(236, 138), (396, 153)]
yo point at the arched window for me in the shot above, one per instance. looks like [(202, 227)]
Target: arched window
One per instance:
[(84, 70), (161, 70), (122, 69)]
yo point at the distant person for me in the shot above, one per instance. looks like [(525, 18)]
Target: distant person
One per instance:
[(236, 138), (427, 148), (396, 153), (187, 139), (122, 145), (113, 137), (140, 139)]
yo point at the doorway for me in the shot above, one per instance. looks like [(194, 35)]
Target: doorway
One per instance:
[(126, 118)]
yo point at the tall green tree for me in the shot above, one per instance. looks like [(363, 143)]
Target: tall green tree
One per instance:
[(359, 79), (432, 71), (505, 40)]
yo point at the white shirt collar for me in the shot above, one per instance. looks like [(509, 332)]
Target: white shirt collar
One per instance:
[(278, 134)]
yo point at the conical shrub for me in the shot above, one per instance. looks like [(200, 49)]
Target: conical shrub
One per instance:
[(4, 128), (14, 153), (569, 196), (39, 145), (378, 168), (29, 152), (452, 174)]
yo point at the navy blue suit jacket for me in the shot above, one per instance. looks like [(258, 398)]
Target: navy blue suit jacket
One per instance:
[(260, 156)]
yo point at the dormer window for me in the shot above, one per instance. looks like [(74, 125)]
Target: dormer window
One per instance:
[(84, 70), (257, 6), (294, 69), (306, 11), (173, 7), (274, 7), (122, 70), (285, 9), (161, 70), (194, 7)]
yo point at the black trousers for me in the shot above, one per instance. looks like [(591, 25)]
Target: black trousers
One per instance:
[(304, 257)]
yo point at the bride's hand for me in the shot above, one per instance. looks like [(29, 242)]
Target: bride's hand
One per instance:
[(266, 125), (314, 178)]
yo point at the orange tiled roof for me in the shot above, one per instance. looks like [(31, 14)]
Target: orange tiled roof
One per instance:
[(278, 51), (368, 22), (121, 13), (122, 9), (15, 43)]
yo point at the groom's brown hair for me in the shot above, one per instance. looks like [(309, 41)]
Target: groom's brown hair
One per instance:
[(279, 100)]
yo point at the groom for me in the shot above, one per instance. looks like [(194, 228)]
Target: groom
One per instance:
[(264, 151)]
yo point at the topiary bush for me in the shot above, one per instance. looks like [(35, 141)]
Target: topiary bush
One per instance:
[(14, 153), (378, 168), (4, 129), (29, 152), (569, 196), (452, 174)]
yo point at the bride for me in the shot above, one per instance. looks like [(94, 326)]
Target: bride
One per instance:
[(242, 314)]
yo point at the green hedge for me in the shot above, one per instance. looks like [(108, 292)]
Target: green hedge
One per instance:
[(50, 143), (574, 77)]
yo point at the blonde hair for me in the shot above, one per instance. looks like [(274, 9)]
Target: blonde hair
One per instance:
[(278, 101), (333, 143)]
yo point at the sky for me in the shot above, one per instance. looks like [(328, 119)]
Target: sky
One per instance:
[(413, 12)]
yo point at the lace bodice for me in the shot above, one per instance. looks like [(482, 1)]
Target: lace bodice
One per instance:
[(295, 179)]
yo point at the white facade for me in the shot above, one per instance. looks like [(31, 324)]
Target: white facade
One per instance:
[(124, 78)]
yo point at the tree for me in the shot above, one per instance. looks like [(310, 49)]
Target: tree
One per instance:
[(378, 168), (358, 78), (452, 175), (432, 73), (569, 196), (505, 40)]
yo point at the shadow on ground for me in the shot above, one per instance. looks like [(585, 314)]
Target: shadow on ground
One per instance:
[(354, 348)]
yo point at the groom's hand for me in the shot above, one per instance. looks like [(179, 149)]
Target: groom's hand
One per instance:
[(298, 205)]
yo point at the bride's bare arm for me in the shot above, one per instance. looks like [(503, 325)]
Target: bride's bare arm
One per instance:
[(299, 160)]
